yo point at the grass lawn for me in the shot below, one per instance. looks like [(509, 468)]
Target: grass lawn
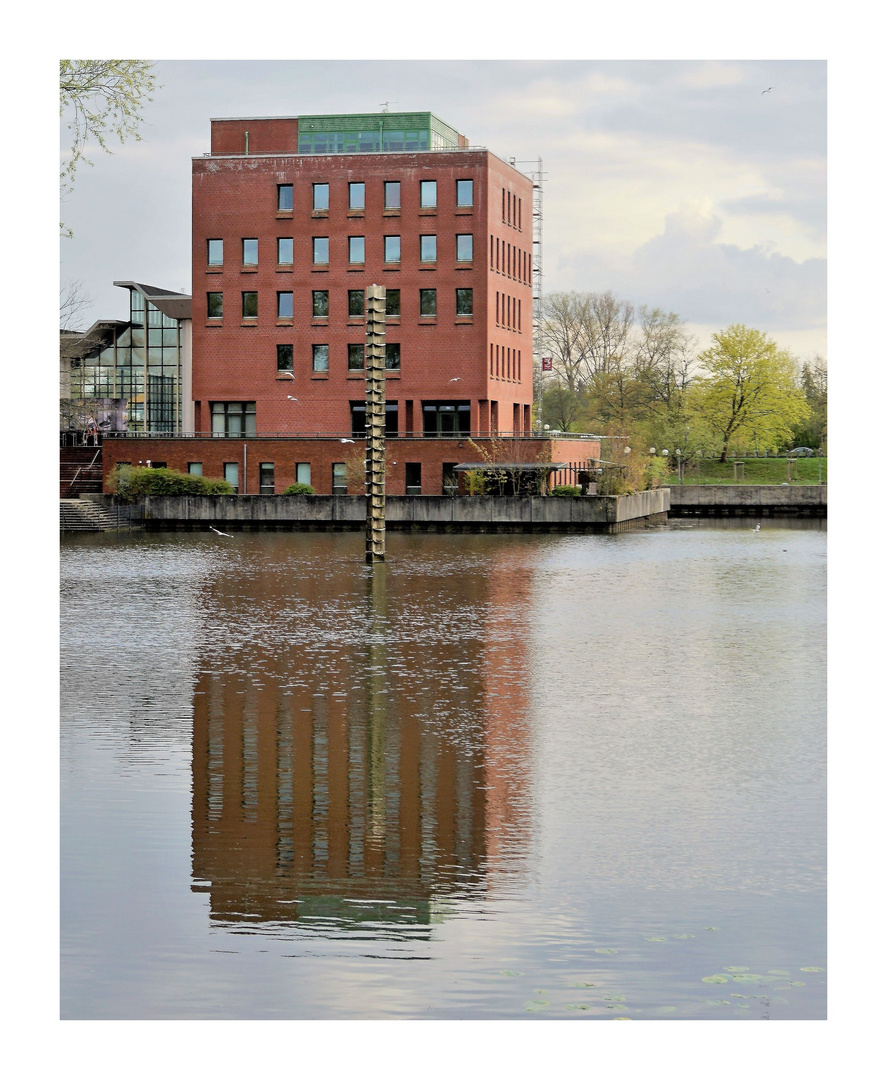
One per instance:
[(757, 471)]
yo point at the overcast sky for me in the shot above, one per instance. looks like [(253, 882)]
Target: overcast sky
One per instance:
[(677, 184)]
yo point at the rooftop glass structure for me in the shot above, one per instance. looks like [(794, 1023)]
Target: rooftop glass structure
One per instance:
[(359, 133)]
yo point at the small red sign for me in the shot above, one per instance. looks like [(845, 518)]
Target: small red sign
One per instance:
[(546, 363)]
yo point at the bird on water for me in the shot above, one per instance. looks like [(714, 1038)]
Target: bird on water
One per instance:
[(215, 530)]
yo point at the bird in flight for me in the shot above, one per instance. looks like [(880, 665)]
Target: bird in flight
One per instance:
[(290, 397), (215, 530), (286, 374), (458, 378), (346, 440), (767, 91)]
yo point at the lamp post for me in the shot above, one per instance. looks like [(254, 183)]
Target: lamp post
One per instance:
[(680, 467)]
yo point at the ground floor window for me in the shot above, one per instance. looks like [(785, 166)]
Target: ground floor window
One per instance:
[(266, 478), (232, 475), (442, 418), (414, 478), (195, 468), (303, 472), (340, 479), (450, 478), (233, 417)]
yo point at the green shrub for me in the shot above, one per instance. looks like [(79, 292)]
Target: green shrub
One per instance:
[(132, 484), (566, 491), (299, 489)]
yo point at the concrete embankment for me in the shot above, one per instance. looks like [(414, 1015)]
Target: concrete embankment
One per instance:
[(749, 500), (408, 513)]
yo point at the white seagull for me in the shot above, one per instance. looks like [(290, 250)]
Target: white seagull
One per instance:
[(290, 397), (767, 91), (286, 374), (215, 530), (346, 440), (458, 378), (757, 527)]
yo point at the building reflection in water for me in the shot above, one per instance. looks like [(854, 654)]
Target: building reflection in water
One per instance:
[(365, 801)]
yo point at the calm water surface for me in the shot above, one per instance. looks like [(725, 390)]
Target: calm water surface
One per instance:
[(501, 777)]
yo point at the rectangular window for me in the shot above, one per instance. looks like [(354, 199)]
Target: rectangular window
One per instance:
[(428, 249), (320, 358), (413, 471), (320, 303), (266, 477), (427, 194), (284, 196), (356, 249), (355, 303), (284, 251), (233, 417), (356, 196), (392, 249), (195, 468), (232, 474), (214, 305), (464, 301), (214, 252), (392, 302), (392, 194), (284, 305), (321, 196), (392, 357), (284, 358), (321, 250), (428, 301), (446, 418), (464, 193), (340, 481), (464, 247), (250, 252), (303, 472), (250, 305), (355, 357)]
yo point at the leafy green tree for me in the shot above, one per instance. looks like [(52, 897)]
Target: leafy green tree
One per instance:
[(814, 383), (748, 389), (101, 100)]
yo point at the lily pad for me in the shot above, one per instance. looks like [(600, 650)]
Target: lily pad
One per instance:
[(715, 979), (536, 1006), (748, 978), (735, 969), (780, 971), (576, 1006), (582, 986), (712, 928), (805, 969), (656, 939), (721, 1001), (609, 952), (683, 937), (614, 997)]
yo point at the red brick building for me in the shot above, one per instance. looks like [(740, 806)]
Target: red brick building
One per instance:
[(294, 217)]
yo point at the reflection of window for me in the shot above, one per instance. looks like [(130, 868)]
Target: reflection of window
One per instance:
[(340, 481), (214, 250), (266, 477), (321, 250), (428, 193), (284, 358), (320, 358), (464, 193), (428, 248), (392, 302), (233, 417), (464, 247), (284, 196), (392, 357), (392, 249), (320, 303), (356, 249), (359, 419), (284, 251), (464, 301), (428, 301), (392, 194), (250, 305), (214, 305), (321, 200), (355, 357), (250, 254), (355, 302), (356, 196), (284, 305)]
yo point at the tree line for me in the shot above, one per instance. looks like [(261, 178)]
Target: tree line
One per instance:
[(620, 370)]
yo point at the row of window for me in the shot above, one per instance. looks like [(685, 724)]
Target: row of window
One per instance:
[(235, 418), (320, 304), (412, 476), (505, 363), (391, 193), (320, 357), (510, 260), (508, 311), (512, 207), (320, 250)]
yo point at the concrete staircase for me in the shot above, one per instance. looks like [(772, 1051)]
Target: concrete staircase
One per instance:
[(81, 515)]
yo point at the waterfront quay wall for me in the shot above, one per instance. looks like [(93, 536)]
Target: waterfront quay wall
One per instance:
[(407, 513), (749, 500)]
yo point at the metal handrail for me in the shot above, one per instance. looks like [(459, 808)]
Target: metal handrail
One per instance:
[(338, 436), (80, 470)]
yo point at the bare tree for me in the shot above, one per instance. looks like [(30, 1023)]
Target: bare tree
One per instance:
[(563, 334), (73, 302)]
